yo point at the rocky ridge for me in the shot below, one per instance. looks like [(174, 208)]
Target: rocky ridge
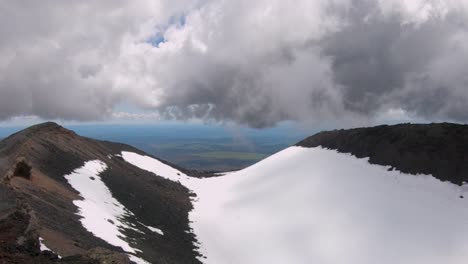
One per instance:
[(440, 150)]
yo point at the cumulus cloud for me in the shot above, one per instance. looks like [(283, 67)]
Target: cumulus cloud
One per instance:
[(252, 62)]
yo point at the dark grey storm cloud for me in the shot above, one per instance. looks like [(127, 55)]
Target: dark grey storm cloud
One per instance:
[(252, 62), (384, 62)]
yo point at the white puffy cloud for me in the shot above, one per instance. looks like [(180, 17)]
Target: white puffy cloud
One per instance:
[(254, 62)]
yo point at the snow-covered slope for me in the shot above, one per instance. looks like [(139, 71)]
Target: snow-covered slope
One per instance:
[(101, 213), (312, 205)]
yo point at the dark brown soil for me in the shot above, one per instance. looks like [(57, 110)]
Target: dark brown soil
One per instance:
[(437, 149)]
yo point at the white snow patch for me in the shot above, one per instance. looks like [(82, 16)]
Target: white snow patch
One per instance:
[(156, 230), (43, 247), (153, 165), (312, 205), (101, 213)]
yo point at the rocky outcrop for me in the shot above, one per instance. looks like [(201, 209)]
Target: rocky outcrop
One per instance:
[(22, 169)]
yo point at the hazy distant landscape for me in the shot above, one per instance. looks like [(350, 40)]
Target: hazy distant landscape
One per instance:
[(195, 146)]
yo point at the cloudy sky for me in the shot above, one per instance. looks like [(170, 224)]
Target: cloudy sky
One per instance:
[(255, 63)]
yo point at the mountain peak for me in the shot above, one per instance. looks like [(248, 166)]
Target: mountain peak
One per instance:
[(48, 124), (45, 131), (47, 127)]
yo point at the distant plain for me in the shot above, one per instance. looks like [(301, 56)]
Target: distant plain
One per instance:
[(195, 146)]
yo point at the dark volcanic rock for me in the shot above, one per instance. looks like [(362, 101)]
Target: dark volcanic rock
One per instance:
[(22, 169), (51, 152), (437, 149)]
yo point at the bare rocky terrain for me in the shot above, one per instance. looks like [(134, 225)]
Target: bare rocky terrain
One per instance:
[(37, 201)]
